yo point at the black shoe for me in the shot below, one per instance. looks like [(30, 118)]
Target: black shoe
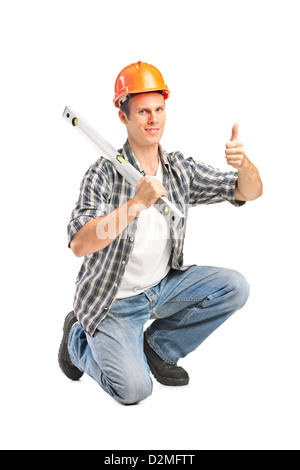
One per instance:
[(165, 373), (64, 361)]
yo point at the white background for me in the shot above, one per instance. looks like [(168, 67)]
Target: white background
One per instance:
[(225, 62)]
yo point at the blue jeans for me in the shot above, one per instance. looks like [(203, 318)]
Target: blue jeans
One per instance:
[(187, 306)]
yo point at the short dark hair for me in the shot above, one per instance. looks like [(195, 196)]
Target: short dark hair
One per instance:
[(124, 105)]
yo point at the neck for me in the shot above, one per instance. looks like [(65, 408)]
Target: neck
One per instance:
[(147, 156)]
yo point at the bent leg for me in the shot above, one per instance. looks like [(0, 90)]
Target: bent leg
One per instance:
[(192, 305), (114, 356)]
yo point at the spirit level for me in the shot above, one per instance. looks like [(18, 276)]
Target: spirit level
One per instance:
[(163, 205)]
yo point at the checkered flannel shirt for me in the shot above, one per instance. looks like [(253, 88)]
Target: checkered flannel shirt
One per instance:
[(103, 189)]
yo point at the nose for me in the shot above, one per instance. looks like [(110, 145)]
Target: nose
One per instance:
[(153, 118)]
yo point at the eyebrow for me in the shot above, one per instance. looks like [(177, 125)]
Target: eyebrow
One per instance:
[(149, 109)]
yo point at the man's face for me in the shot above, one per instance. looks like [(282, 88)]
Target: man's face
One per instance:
[(147, 118)]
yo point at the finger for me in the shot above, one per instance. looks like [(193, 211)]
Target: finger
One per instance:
[(234, 143), (234, 151), (235, 131), (234, 163), (234, 157)]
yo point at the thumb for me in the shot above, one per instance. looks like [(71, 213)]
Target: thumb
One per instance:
[(235, 130)]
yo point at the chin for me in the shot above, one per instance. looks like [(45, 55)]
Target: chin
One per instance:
[(153, 139)]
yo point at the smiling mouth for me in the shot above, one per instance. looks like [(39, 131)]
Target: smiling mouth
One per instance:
[(152, 130)]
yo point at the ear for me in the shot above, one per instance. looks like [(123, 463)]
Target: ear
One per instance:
[(123, 117)]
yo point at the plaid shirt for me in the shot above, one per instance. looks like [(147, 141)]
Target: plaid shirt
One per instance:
[(187, 182)]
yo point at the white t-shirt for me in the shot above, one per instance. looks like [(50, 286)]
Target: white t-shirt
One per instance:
[(149, 261)]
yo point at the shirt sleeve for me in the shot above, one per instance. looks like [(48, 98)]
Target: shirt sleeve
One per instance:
[(209, 185), (93, 200)]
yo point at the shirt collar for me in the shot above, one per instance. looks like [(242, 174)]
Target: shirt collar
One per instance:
[(128, 155)]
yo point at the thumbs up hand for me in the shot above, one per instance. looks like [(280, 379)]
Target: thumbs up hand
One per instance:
[(235, 154)]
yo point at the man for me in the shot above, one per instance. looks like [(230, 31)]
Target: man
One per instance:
[(133, 264)]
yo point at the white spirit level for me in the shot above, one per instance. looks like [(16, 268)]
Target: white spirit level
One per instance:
[(163, 205)]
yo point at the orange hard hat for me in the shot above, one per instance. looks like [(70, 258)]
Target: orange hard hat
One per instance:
[(139, 78)]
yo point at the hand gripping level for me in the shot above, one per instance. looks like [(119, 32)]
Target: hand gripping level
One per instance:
[(131, 174)]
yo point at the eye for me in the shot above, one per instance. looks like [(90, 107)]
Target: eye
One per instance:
[(142, 111)]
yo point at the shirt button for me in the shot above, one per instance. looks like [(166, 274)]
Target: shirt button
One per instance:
[(115, 284), (131, 239), (123, 262)]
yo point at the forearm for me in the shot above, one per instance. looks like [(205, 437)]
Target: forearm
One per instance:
[(249, 185), (100, 232)]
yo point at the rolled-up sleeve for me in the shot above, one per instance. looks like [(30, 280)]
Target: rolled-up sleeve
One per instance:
[(209, 185), (93, 200)]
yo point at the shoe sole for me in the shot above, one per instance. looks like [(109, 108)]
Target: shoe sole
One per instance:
[(64, 361)]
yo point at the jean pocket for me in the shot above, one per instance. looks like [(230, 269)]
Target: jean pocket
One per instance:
[(215, 296)]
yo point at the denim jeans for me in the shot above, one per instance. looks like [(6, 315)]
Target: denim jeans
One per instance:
[(186, 306)]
